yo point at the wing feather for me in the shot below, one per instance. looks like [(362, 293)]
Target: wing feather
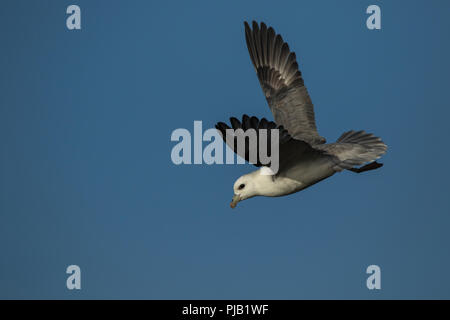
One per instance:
[(282, 83), (252, 123)]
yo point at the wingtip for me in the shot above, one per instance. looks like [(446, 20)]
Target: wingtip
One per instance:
[(255, 25), (221, 126), (235, 123)]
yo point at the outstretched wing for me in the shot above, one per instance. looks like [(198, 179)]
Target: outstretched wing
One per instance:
[(249, 147), (282, 83)]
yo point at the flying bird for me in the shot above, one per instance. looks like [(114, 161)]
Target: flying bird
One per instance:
[(304, 156)]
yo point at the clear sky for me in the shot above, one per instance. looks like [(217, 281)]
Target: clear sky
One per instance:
[(87, 179)]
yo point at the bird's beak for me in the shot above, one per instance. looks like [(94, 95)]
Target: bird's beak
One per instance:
[(235, 200)]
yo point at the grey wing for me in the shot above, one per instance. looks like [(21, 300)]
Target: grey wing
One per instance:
[(282, 83)]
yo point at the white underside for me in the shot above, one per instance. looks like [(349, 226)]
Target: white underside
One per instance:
[(266, 185), (280, 187)]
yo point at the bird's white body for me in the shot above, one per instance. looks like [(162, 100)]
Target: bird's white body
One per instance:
[(258, 183), (263, 182)]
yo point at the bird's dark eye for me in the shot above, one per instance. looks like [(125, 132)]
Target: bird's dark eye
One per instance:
[(242, 186)]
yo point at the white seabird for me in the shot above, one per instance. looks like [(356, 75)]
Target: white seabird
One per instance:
[(304, 158)]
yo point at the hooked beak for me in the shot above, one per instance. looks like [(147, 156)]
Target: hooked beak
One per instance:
[(235, 200)]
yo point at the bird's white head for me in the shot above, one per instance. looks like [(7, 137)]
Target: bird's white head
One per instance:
[(250, 185)]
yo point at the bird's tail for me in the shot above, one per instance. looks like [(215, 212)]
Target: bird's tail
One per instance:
[(354, 148)]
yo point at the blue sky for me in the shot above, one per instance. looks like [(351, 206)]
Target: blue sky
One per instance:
[(86, 175)]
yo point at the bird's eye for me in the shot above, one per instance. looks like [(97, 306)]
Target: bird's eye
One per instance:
[(242, 186)]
